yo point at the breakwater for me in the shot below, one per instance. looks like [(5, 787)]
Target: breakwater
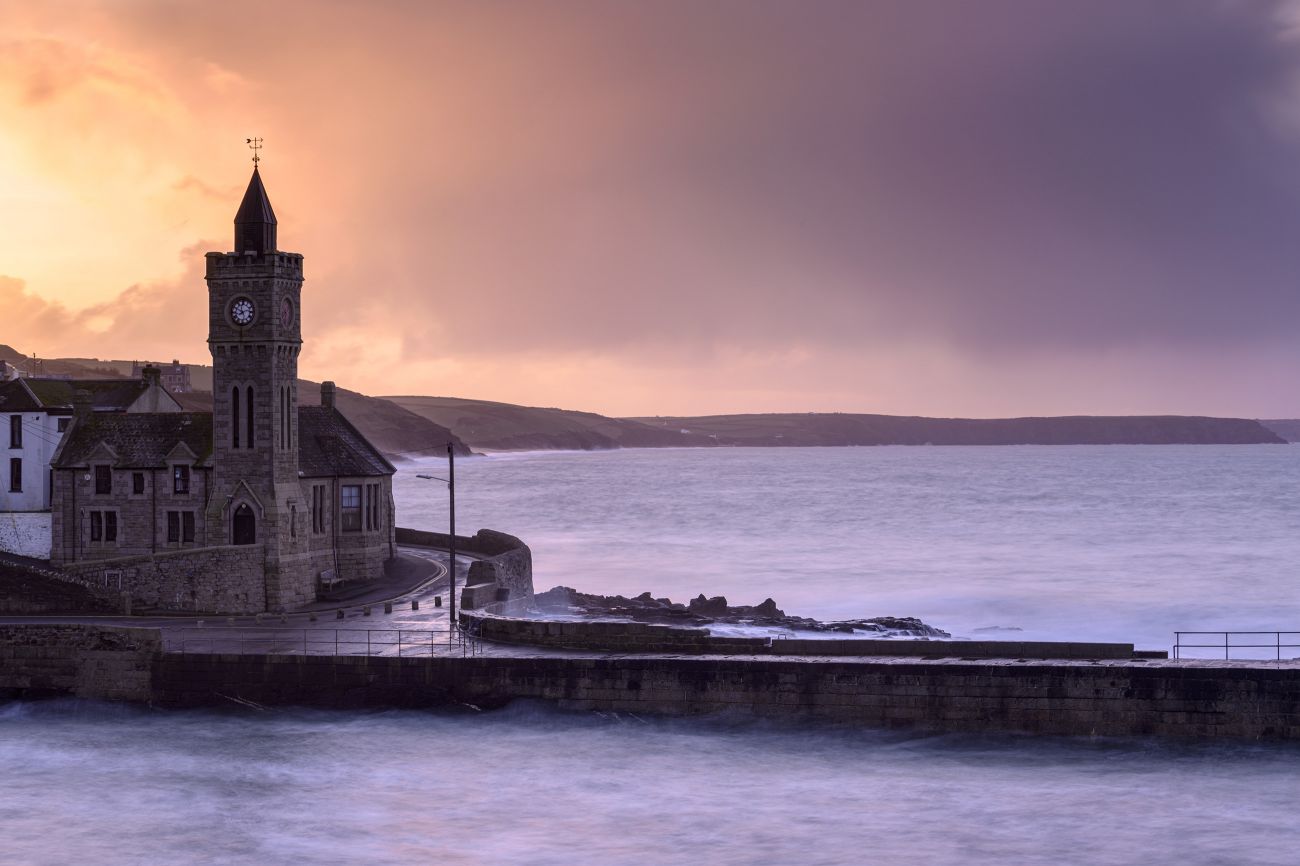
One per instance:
[(1115, 697)]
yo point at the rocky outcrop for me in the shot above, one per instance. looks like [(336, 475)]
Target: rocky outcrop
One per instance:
[(701, 611)]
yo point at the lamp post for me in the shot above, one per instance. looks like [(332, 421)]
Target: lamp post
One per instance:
[(451, 544)]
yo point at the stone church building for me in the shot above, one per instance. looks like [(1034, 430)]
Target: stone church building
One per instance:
[(255, 506)]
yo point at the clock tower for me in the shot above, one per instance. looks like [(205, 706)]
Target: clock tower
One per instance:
[(254, 336)]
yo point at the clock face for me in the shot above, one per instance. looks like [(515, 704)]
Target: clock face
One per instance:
[(286, 314), (241, 311)]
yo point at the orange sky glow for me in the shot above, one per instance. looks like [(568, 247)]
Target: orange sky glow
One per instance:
[(676, 208)]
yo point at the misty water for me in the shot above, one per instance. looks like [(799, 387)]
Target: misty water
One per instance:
[(1100, 543), (1125, 543)]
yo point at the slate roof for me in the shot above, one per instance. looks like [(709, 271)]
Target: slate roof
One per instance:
[(106, 395), (256, 206), (141, 440), (328, 445), (15, 397)]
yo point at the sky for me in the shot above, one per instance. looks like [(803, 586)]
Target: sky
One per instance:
[(903, 206)]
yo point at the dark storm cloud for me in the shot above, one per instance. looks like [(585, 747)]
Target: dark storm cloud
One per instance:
[(995, 175), (942, 198)]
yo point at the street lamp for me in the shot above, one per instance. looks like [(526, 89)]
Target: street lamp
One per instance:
[(451, 567)]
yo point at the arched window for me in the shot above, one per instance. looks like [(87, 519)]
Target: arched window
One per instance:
[(234, 417), (249, 421), (284, 417), (243, 526)]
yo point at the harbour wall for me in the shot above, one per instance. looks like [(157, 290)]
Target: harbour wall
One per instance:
[(1070, 697), (502, 576)]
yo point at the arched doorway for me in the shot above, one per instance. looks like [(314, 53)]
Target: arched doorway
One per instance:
[(244, 526)]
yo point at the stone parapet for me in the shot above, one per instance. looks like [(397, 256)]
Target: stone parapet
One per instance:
[(503, 576)]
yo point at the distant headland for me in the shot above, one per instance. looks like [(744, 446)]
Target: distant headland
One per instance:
[(409, 425)]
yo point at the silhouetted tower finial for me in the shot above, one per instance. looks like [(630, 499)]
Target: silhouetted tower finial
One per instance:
[(255, 221)]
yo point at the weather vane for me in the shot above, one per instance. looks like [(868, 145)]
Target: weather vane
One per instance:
[(254, 144)]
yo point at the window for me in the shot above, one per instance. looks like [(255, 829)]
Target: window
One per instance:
[(63, 424), (372, 507), (137, 483), (318, 499), (350, 506), (15, 475), (103, 480), (293, 521), (234, 417), (249, 420), (180, 527), (180, 479), (15, 431), (103, 526)]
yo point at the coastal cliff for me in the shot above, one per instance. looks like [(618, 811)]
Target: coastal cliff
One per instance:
[(848, 429), (505, 427)]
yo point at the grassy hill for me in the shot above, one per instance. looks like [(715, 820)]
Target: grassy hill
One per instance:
[(848, 429), (506, 427)]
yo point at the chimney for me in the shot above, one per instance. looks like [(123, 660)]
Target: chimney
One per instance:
[(151, 375), (81, 404), (327, 394)]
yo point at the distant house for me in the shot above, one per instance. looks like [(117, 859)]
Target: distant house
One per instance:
[(175, 376), (36, 412)]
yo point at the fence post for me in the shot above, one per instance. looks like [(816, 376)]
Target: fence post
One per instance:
[(304, 641), (399, 643), (1225, 646), (336, 641), (367, 643)]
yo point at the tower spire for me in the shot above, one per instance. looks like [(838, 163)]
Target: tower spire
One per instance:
[(255, 221)]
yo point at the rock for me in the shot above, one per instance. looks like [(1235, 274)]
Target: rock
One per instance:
[(701, 611), (716, 606)]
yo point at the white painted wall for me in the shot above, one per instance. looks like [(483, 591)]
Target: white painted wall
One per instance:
[(26, 534), (40, 438)]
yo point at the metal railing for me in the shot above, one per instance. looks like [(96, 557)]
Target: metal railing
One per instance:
[(1227, 641), (397, 642)]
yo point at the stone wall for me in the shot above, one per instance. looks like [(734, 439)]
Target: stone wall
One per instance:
[(503, 575), (1068, 698), (98, 662), (227, 579), (1116, 698), (141, 518), (634, 637)]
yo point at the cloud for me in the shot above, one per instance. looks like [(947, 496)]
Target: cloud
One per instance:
[(923, 198)]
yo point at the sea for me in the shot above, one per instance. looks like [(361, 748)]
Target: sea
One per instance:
[(1080, 543)]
